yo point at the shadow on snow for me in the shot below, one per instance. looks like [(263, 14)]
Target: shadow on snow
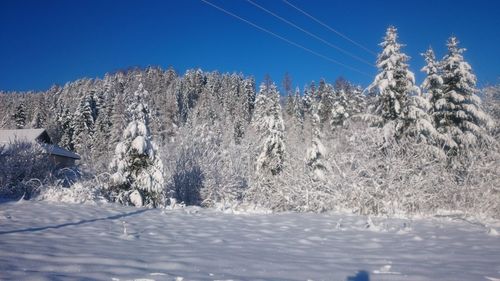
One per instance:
[(35, 229)]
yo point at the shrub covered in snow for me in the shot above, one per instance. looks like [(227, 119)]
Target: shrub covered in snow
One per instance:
[(24, 168), (85, 191), (205, 170)]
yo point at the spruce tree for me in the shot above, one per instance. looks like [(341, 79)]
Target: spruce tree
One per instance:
[(138, 169), (269, 123), (83, 124), (339, 110), (315, 157), (458, 112), (39, 118), (400, 108), (326, 95), (297, 107), (394, 82), (249, 94), (20, 116), (433, 88), (433, 83), (307, 100), (65, 121)]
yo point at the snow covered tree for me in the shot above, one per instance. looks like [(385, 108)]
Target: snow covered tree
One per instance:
[(287, 88), (193, 86), (64, 121), (339, 109), (289, 104), (457, 111), (326, 95), (399, 106), (249, 94), (102, 131), (83, 124), (118, 118), (307, 100), (20, 116), (138, 170), (269, 123), (433, 83), (297, 107), (355, 101), (39, 118), (418, 124), (433, 87), (492, 106), (394, 82), (315, 157)]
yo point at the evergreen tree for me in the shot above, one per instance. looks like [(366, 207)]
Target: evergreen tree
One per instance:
[(307, 100), (269, 123), (433, 83), (349, 101), (316, 152), (326, 96), (394, 82), (339, 109), (249, 101), (20, 116), (102, 129), (289, 104), (83, 124), (287, 88), (418, 124), (297, 107), (458, 113), (138, 170), (492, 107), (118, 118), (401, 109), (433, 86), (65, 122)]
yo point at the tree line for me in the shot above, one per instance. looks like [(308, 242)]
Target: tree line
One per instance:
[(211, 139)]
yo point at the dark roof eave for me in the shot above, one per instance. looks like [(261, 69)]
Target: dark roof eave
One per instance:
[(59, 151)]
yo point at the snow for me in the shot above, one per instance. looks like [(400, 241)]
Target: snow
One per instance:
[(136, 198), (139, 144), (42, 240)]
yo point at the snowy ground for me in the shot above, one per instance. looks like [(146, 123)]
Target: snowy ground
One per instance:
[(55, 241)]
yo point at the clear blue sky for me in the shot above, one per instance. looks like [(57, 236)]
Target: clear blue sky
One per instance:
[(52, 42)]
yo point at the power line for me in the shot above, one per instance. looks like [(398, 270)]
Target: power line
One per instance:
[(311, 34), (330, 28), (284, 39)]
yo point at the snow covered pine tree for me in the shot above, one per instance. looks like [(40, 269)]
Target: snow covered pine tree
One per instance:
[(269, 123), (20, 116), (400, 108), (316, 152), (433, 86), (138, 177), (457, 111)]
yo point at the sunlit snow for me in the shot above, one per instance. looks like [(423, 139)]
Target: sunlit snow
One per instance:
[(56, 241)]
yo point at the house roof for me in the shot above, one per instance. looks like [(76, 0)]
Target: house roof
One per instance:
[(27, 135), (39, 136)]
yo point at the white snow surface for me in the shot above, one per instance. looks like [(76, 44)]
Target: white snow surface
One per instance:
[(42, 240)]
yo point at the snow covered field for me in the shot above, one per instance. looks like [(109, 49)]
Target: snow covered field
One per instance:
[(56, 241)]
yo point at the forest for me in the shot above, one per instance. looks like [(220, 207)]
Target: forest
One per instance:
[(154, 137)]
